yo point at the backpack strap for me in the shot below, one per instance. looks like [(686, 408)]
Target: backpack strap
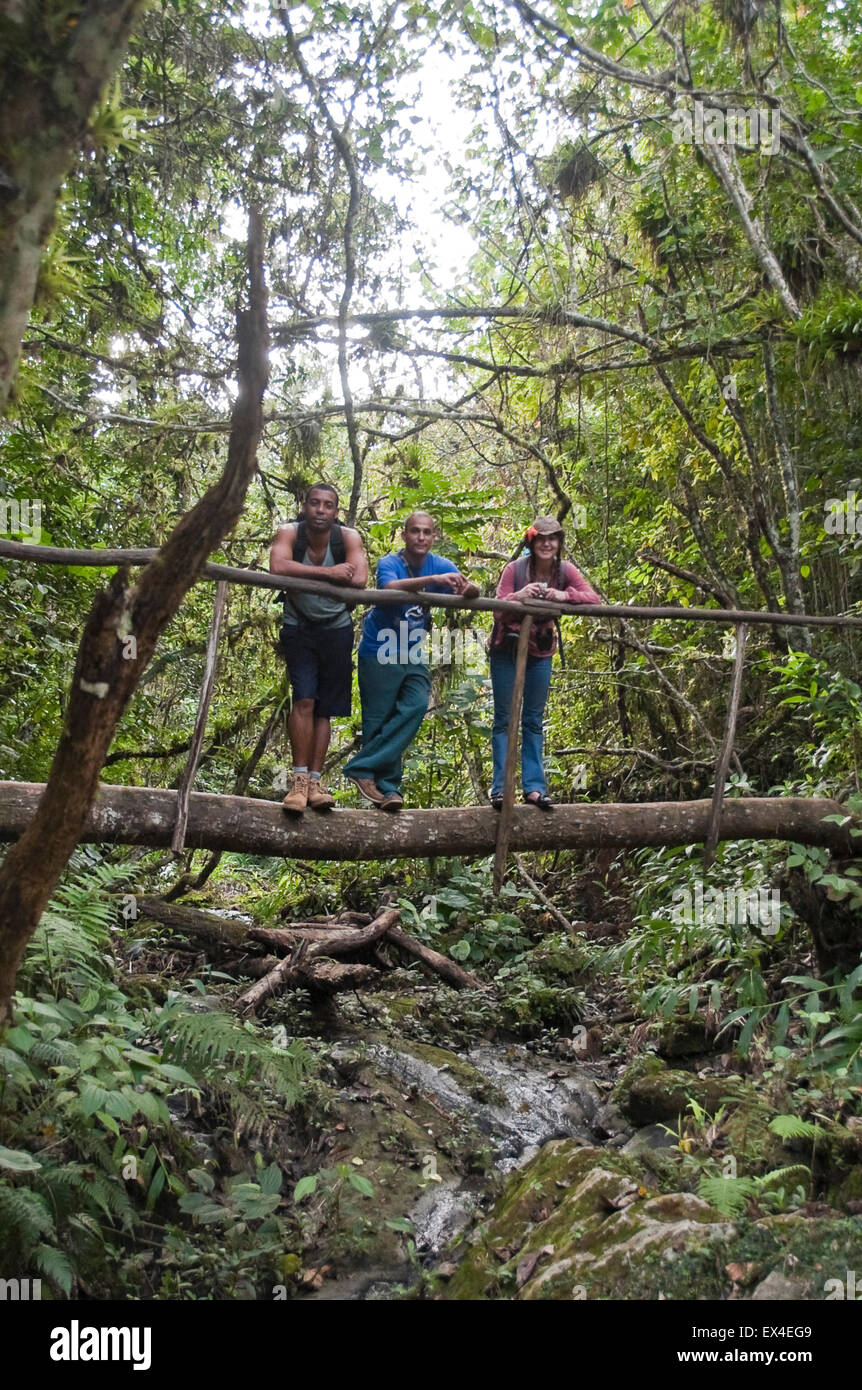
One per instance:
[(503, 624), (519, 579), (300, 542), (300, 546), (336, 543)]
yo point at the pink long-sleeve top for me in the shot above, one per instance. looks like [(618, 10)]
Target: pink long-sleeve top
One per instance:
[(576, 588)]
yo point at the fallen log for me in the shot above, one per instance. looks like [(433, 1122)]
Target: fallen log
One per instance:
[(325, 976), (143, 816), (302, 966), (327, 943), (347, 918), (285, 939), (193, 921), (441, 965)]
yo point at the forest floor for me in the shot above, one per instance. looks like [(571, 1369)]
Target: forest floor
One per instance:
[(516, 1142), (554, 1129)]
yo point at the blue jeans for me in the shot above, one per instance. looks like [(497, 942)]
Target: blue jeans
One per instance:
[(394, 703), (537, 683)]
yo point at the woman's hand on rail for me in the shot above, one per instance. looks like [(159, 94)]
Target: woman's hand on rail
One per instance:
[(534, 590)]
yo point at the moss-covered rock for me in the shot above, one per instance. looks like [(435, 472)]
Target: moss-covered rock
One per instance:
[(578, 1222), (582, 1223), (682, 1037), (663, 1096), (647, 1064), (849, 1190)]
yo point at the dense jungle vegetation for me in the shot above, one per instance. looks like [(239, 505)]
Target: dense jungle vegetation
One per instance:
[(502, 282)]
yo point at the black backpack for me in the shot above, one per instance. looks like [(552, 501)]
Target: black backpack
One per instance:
[(300, 546), (336, 543)]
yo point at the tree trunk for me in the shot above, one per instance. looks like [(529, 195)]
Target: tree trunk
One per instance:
[(55, 59), (119, 639), (144, 816)]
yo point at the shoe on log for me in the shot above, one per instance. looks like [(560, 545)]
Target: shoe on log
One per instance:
[(368, 789), (319, 799), (297, 796)]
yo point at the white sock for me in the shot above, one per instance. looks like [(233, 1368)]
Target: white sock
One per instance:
[(298, 769), (314, 776)]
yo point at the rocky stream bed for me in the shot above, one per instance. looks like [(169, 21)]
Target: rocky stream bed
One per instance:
[(502, 1173)]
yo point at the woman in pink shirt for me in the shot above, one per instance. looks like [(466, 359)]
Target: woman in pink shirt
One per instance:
[(541, 574)]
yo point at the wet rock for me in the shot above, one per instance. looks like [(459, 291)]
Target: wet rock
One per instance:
[(530, 1101), (608, 1123), (649, 1139), (441, 1214), (778, 1287)]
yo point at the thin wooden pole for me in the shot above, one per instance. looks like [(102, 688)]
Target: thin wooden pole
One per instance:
[(505, 828), (542, 896), (189, 771), (726, 748), (345, 593)]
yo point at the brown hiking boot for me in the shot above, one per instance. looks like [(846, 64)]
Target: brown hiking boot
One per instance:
[(319, 799), (392, 802), (297, 797), (368, 789)]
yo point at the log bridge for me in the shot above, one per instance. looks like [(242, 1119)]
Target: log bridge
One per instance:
[(141, 816), (144, 816)]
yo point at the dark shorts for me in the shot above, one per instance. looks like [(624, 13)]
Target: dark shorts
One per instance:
[(320, 665)]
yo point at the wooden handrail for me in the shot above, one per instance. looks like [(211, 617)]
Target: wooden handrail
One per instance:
[(54, 555)]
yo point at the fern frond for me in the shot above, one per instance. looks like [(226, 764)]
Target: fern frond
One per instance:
[(55, 1053), (204, 1042), (53, 1263), (729, 1196), (796, 1175), (792, 1127), (24, 1217)]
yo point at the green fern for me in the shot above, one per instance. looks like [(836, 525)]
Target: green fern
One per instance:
[(53, 1263), (792, 1127), (795, 1175), (205, 1042), (24, 1217), (729, 1196), (54, 1053)]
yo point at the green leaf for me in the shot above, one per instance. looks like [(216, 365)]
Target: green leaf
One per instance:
[(178, 1074), (156, 1186), (747, 1033), (271, 1179), (93, 1098), (805, 980), (782, 1023), (18, 1161), (305, 1186), (361, 1184), (202, 1178), (149, 1106)]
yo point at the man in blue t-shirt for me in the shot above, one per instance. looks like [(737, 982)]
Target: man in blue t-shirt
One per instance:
[(394, 679)]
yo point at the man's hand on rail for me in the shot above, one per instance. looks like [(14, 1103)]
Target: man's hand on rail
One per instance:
[(342, 574)]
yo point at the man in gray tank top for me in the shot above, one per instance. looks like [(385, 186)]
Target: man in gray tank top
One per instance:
[(317, 637)]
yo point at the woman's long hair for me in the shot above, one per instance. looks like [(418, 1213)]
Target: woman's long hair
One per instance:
[(556, 580)]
